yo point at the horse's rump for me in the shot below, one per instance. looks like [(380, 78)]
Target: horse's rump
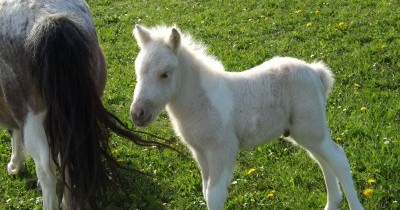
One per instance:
[(63, 66)]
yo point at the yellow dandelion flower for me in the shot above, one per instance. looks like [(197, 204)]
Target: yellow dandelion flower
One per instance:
[(368, 192), (317, 12), (371, 181), (341, 25), (115, 151), (250, 171), (271, 194), (363, 109), (309, 24)]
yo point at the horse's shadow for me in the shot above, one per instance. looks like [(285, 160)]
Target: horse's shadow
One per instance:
[(135, 190)]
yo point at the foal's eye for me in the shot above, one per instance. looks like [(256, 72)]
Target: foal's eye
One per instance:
[(164, 75)]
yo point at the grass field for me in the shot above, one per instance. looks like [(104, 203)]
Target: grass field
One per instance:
[(359, 40)]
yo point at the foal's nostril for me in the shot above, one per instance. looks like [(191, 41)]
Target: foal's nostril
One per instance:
[(141, 113), (138, 114)]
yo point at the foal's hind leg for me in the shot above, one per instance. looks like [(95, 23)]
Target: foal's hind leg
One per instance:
[(335, 166), (331, 182), (37, 146), (17, 161), (336, 158)]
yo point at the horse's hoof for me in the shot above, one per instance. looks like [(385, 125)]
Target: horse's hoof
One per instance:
[(13, 168)]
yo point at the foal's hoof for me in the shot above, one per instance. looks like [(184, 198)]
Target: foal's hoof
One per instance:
[(14, 168), (331, 208)]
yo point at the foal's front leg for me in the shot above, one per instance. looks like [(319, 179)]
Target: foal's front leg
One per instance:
[(220, 161), (17, 160), (200, 157)]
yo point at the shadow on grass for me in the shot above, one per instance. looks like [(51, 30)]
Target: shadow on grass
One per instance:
[(136, 191)]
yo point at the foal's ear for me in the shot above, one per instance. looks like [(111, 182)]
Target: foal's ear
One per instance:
[(142, 35), (175, 39)]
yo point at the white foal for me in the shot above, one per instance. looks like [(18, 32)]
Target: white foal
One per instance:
[(217, 112)]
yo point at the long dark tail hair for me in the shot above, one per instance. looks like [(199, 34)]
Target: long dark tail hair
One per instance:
[(77, 123)]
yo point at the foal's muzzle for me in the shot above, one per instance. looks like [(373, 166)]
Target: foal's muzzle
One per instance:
[(141, 114)]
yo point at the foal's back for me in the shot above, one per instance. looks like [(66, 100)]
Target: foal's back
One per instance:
[(267, 97)]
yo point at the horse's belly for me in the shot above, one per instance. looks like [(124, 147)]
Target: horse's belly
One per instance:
[(6, 117)]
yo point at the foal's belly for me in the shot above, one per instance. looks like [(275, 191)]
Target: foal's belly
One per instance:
[(259, 138), (260, 129)]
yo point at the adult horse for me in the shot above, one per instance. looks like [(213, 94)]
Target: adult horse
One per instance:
[(217, 112), (52, 75)]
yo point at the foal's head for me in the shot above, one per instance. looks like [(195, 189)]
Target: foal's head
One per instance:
[(157, 73)]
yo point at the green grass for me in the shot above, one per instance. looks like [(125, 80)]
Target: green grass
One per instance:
[(360, 40)]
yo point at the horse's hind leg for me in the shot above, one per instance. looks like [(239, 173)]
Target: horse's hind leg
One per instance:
[(17, 160), (37, 146)]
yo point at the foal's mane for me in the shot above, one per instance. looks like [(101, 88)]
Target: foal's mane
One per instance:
[(188, 45)]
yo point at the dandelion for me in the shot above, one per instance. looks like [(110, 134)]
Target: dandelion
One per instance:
[(371, 181), (317, 12), (368, 192), (115, 151), (271, 194), (250, 171), (309, 24), (363, 109), (341, 25)]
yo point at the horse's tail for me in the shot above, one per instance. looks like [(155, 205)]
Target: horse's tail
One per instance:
[(77, 124), (326, 76)]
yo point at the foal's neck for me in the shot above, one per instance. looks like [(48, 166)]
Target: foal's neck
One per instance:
[(191, 95)]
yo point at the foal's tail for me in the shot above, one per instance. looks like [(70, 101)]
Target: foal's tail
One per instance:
[(326, 76), (64, 64)]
